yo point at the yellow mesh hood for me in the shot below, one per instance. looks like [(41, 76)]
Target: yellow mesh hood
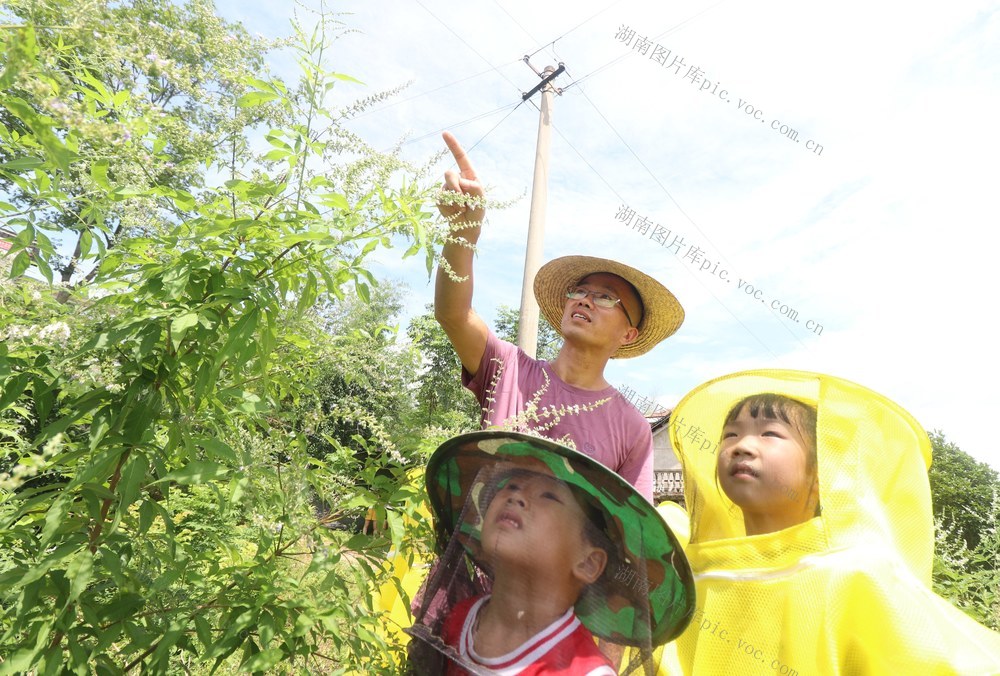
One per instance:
[(872, 459), (846, 592)]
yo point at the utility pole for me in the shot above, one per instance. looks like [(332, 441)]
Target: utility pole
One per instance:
[(527, 333)]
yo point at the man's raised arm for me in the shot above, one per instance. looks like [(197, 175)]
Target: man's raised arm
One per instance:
[(453, 300)]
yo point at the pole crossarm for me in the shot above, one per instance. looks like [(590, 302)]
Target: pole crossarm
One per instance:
[(548, 78)]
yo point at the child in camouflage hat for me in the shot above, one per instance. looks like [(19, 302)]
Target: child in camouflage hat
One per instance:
[(561, 549)]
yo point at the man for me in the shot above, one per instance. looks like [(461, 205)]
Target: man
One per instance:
[(602, 309)]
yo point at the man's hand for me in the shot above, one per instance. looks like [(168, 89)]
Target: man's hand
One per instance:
[(467, 185), (452, 299)]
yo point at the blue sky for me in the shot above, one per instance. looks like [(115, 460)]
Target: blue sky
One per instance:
[(883, 237)]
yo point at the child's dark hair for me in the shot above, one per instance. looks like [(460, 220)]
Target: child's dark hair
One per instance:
[(797, 414)]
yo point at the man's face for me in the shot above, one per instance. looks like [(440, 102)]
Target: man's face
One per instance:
[(584, 320)]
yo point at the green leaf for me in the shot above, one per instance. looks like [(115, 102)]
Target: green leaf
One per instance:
[(100, 92), (236, 489), (43, 267), (346, 78), (13, 388), (277, 155), (175, 280), (99, 172), (39, 570), (22, 50), (133, 474), (334, 201), (217, 448), (79, 572), (41, 128), (99, 427), (204, 631), (251, 99), (264, 660), (239, 336), (23, 164), (124, 192), (20, 264), (55, 518), (180, 326), (196, 472), (86, 242), (363, 291), (147, 511)]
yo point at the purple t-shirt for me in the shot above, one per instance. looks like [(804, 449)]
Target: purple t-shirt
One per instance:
[(601, 424)]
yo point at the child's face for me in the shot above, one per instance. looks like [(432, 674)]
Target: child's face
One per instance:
[(763, 468), (535, 521)]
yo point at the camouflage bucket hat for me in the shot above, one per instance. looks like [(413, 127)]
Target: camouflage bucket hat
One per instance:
[(646, 594)]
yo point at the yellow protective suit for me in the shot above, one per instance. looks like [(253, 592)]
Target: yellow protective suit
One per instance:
[(847, 592)]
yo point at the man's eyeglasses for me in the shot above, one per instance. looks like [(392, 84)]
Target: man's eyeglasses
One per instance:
[(601, 299)]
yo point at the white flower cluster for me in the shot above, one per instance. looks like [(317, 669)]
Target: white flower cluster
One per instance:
[(30, 465), (56, 334), (100, 374), (530, 420)]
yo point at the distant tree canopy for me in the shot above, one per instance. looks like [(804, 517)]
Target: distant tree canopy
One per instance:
[(442, 401), (966, 497), (962, 488), (508, 324), (143, 94)]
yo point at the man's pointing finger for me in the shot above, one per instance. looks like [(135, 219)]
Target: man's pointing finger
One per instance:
[(461, 159)]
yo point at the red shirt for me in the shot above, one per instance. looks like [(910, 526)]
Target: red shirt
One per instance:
[(564, 647)]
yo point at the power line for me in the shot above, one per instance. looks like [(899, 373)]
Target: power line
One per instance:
[(533, 39), (679, 208), (585, 161), (494, 127), (474, 50), (635, 155), (430, 91), (655, 37), (585, 21), (686, 268), (464, 122), (648, 170)]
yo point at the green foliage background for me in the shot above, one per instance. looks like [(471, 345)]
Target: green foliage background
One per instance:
[(966, 498), (200, 396)]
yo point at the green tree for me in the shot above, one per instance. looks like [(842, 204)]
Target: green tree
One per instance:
[(157, 510), (508, 323), (969, 577), (442, 401), (114, 73), (363, 387), (966, 500), (962, 489)]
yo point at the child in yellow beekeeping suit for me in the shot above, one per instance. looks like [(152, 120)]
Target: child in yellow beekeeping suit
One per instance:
[(812, 535)]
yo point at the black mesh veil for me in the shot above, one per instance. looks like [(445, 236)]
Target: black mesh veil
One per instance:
[(642, 599)]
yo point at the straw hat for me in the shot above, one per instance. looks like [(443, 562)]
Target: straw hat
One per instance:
[(645, 596), (662, 312)]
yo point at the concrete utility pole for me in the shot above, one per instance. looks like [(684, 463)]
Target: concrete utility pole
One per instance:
[(527, 333)]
